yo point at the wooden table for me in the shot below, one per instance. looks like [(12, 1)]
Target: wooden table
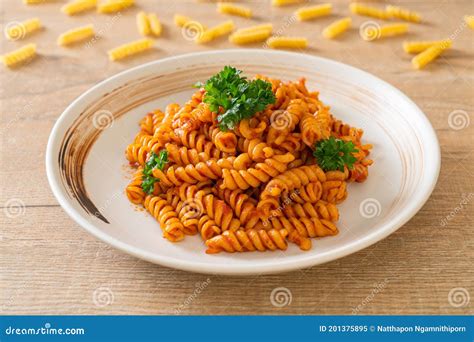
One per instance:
[(49, 265)]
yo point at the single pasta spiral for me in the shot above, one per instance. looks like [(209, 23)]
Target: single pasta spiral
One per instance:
[(253, 177), (134, 189), (191, 174), (164, 213), (305, 226), (248, 241)]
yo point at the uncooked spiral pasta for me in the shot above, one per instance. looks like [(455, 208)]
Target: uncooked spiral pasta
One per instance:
[(130, 49), (78, 6), (20, 56), (271, 180)]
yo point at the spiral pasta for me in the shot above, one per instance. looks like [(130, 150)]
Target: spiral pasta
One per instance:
[(130, 49), (256, 187), (143, 24), (23, 29), (19, 56), (386, 31), (248, 241), (368, 11), (253, 177), (78, 6), (112, 6), (243, 206), (402, 13), (241, 38), (287, 42), (163, 212), (427, 56), (76, 35), (311, 12), (337, 28), (284, 2), (469, 20), (215, 32), (241, 11), (155, 24), (420, 46)]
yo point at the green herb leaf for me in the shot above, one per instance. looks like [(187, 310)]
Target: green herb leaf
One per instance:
[(333, 154), (238, 97), (155, 161)]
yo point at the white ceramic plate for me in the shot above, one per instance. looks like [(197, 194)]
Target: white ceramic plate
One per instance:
[(88, 172)]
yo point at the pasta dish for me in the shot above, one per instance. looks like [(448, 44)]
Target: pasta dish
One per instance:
[(247, 164)]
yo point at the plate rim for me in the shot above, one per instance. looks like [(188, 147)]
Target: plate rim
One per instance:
[(385, 230)]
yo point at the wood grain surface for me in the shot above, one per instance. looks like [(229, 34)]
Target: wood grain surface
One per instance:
[(49, 265)]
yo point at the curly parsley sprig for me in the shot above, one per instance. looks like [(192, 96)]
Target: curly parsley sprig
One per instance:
[(334, 154), (238, 97), (156, 161)]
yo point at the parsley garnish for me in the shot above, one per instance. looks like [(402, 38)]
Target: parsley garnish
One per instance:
[(238, 97), (333, 154), (156, 161)]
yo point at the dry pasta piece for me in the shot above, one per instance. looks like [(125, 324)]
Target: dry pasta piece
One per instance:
[(215, 32), (419, 46), (76, 35), (130, 49), (143, 24), (34, 2), (112, 6), (263, 27), (249, 37), (192, 174), (469, 19), (372, 33), (183, 21), (78, 6), (337, 28), (311, 12), (425, 57), (287, 42), (285, 2), (251, 34), (248, 241), (19, 56), (227, 8), (21, 30), (155, 24), (402, 13), (368, 11)]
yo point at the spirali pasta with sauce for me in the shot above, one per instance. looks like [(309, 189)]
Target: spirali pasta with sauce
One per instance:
[(246, 173)]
